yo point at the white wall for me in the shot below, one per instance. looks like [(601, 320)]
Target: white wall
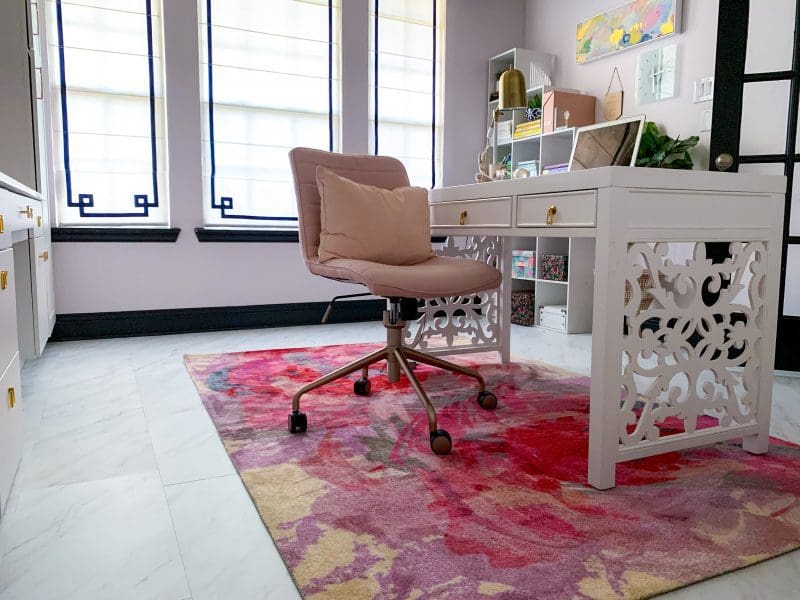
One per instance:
[(550, 27), (99, 277)]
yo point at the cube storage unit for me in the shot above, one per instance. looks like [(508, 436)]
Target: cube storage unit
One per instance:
[(574, 294)]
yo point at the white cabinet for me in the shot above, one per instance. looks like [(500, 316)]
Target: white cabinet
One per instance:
[(11, 428)]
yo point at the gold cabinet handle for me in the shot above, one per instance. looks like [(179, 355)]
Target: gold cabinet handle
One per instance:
[(3, 280), (551, 212), (462, 218), (12, 397), (45, 255), (28, 212), (2, 224), (39, 221)]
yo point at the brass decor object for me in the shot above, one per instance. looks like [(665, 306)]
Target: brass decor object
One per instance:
[(512, 90), (512, 96)]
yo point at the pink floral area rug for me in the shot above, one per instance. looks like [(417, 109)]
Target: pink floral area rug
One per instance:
[(359, 507)]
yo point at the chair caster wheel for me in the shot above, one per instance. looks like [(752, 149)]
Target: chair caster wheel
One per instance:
[(298, 422), (441, 443), (487, 400), (362, 387)]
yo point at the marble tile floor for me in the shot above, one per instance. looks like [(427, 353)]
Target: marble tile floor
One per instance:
[(125, 490)]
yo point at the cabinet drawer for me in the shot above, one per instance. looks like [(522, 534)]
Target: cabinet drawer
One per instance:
[(572, 209), (11, 429), (8, 309), (18, 211), (491, 212)]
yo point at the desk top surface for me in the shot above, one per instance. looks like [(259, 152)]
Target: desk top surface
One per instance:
[(626, 177), (12, 185)]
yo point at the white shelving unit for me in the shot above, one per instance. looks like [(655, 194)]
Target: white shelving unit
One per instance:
[(575, 293), (548, 148)]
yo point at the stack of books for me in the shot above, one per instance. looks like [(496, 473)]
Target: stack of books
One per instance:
[(528, 128), (559, 168)]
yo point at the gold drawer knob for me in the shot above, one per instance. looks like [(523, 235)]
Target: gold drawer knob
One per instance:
[(551, 213), (28, 212), (462, 218), (39, 221), (44, 256), (12, 397), (2, 224), (3, 280)]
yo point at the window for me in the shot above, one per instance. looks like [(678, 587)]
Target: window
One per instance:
[(406, 84), (108, 106), (270, 78)]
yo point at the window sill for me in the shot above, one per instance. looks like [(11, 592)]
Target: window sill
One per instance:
[(114, 234), (207, 234)]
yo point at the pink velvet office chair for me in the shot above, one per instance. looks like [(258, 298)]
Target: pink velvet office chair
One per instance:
[(436, 277)]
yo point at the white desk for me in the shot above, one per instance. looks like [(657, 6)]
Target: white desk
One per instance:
[(639, 218)]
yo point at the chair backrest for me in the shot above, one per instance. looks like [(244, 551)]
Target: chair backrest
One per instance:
[(381, 171)]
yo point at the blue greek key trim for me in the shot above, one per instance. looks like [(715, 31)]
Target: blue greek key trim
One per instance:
[(225, 203), (86, 200)]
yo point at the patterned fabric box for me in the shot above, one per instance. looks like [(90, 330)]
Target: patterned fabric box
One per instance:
[(523, 263), (522, 307), (554, 267)]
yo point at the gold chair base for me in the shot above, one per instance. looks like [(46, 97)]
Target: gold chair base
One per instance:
[(397, 358)]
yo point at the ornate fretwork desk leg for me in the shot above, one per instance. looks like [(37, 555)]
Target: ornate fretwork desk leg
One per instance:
[(464, 323)]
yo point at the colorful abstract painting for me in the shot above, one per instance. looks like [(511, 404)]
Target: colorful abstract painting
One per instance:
[(626, 26), (360, 508)]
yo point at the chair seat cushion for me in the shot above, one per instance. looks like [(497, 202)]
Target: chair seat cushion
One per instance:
[(434, 278), (365, 222)]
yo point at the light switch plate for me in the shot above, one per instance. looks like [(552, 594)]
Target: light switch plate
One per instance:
[(704, 89)]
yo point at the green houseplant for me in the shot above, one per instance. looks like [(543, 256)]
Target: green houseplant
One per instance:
[(660, 151)]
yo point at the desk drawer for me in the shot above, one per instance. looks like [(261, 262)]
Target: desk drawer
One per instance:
[(572, 209), (492, 212), (18, 211), (8, 309)]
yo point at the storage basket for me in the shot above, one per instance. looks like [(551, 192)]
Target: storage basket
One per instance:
[(523, 307)]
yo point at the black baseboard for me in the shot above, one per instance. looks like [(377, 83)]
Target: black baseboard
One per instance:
[(87, 326)]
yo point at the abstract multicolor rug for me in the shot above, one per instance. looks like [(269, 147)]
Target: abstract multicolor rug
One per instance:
[(359, 507)]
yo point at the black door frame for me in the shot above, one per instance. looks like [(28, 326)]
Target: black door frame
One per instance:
[(729, 81)]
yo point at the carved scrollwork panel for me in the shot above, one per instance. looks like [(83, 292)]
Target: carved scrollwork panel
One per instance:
[(691, 355), (462, 322)]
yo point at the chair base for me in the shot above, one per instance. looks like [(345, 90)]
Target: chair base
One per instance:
[(397, 358)]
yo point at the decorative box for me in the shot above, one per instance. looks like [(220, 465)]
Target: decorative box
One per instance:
[(554, 267), (523, 264), (553, 317), (555, 102), (523, 307)]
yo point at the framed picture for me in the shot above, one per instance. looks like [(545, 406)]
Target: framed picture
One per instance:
[(626, 26)]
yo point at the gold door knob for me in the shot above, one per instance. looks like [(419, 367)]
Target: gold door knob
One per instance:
[(462, 218), (3, 280), (28, 212), (551, 212), (723, 161), (44, 255), (12, 397)]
